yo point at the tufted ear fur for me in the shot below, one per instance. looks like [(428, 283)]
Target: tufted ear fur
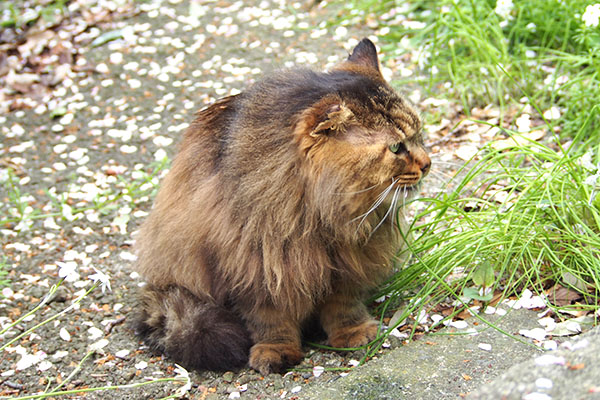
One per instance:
[(326, 116), (336, 116)]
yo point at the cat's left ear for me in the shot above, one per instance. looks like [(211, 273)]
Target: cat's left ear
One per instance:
[(364, 56)]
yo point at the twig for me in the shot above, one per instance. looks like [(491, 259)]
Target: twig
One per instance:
[(111, 324)]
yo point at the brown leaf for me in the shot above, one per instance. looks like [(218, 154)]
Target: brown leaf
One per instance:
[(562, 296), (21, 82), (464, 314), (35, 43)]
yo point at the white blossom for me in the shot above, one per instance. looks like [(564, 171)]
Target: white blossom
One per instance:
[(503, 8), (68, 270), (591, 15), (183, 374), (103, 278)]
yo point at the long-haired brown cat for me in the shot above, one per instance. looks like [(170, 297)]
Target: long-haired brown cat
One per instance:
[(274, 213)]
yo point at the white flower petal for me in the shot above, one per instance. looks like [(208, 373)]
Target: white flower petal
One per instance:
[(64, 335), (550, 359)]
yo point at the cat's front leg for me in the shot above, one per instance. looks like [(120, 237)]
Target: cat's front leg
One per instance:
[(346, 320), (277, 340)]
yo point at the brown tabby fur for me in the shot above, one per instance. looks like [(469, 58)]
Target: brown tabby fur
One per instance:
[(269, 217)]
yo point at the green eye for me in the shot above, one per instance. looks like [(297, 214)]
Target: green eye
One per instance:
[(397, 148)]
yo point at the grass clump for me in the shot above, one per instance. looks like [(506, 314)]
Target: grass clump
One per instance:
[(526, 217), (482, 52)]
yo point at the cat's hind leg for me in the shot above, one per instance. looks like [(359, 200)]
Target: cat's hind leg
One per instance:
[(193, 332)]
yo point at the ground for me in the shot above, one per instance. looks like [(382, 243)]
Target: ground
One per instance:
[(88, 126)]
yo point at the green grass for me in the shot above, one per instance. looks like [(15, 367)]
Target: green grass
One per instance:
[(526, 214), (26, 13), (472, 55), (524, 218), (3, 272)]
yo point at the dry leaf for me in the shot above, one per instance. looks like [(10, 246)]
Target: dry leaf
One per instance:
[(562, 296), (35, 43), (518, 139), (466, 152)]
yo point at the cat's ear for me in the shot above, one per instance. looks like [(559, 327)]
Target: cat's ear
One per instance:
[(365, 54), (327, 116), (330, 116)]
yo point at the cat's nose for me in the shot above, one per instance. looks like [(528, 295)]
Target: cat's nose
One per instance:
[(425, 166), (423, 161)]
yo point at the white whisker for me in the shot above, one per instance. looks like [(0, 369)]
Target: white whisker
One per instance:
[(395, 206), (380, 199), (387, 212)]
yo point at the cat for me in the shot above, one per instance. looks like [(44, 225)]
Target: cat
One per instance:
[(274, 213)]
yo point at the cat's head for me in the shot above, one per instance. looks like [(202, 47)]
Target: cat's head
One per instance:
[(362, 131)]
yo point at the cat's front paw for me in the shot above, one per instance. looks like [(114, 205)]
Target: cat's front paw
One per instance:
[(267, 358), (354, 336)]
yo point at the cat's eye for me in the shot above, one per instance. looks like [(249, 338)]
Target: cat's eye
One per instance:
[(397, 148)]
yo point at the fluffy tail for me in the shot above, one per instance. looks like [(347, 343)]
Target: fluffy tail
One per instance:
[(194, 333)]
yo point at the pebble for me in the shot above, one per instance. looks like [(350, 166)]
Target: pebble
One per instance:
[(228, 376)]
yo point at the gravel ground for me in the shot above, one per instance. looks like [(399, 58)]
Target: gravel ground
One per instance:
[(87, 125), (90, 132)]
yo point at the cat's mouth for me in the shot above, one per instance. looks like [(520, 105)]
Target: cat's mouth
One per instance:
[(408, 183)]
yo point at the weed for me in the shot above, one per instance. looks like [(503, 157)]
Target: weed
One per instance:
[(527, 217), (497, 52), (3, 272)]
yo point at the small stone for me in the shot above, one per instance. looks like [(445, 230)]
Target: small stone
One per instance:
[(129, 375), (228, 377), (232, 389)]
